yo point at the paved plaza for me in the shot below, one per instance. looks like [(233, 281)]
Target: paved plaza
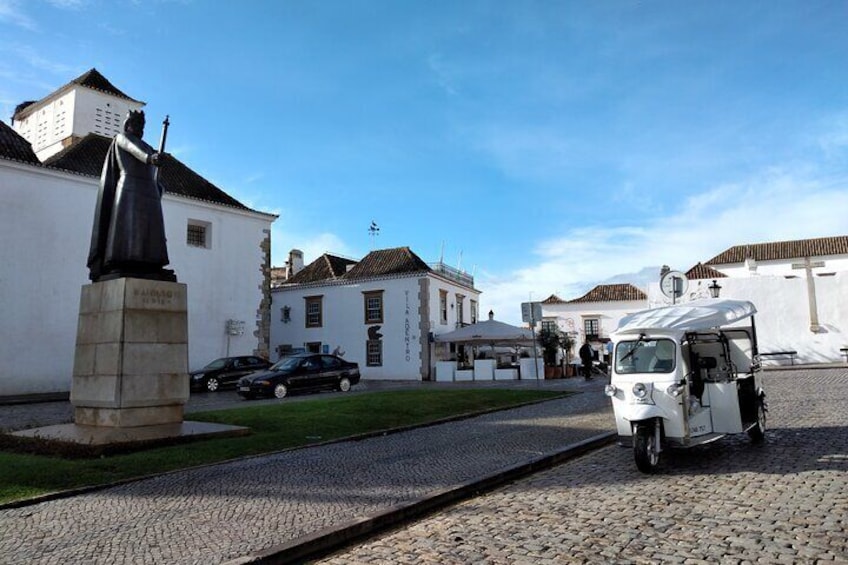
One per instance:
[(234, 511), (729, 502)]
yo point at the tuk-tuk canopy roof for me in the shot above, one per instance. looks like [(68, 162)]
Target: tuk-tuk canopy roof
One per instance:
[(687, 317)]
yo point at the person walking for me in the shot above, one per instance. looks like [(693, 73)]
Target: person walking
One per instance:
[(587, 355)]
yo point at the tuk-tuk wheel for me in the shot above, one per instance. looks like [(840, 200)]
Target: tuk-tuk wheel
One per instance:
[(645, 449), (758, 432)]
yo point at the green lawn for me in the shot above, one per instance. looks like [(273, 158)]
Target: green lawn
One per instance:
[(274, 427)]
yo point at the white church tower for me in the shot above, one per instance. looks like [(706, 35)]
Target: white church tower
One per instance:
[(87, 104)]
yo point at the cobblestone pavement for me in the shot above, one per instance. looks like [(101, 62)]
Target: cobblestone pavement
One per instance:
[(225, 512), (785, 501)]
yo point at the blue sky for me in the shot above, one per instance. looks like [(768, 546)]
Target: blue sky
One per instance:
[(545, 146)]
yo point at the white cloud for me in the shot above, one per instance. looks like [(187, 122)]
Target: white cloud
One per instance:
[(774, 206), (68, 4), (312, 245), (33, 59), (11, 12), (444, 77)]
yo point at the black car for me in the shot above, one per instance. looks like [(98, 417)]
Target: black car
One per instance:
[(225, 372), (301, 372)]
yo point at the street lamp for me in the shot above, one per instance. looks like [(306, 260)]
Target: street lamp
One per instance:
[(714, 289)]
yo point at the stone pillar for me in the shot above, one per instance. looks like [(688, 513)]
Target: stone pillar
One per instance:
[(131, 361)]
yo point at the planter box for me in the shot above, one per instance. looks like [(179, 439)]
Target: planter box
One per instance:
[(528, 373), (553, 372), (484, 369), (463, 375), (506, 374), (445, 370)]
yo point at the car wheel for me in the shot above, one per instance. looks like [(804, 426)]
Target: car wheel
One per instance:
[(280, 391), (758, 432), (645, 449), (344, 384), (212, 384)]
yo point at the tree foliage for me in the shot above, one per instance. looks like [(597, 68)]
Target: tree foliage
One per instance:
[(552, 341)]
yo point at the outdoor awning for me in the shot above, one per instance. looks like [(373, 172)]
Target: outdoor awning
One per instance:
[(488, 332)]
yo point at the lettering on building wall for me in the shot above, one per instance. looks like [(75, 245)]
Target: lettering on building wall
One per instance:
[(406, 327)]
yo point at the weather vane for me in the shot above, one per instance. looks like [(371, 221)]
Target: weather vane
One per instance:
[(373, 231)]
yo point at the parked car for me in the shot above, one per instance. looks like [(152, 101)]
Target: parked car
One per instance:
[(301, 372), (225, 371)]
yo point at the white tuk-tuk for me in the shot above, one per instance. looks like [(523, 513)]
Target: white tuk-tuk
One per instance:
[(686, 375)]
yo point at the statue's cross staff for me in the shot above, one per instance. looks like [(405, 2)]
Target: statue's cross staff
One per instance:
[(165, 123)]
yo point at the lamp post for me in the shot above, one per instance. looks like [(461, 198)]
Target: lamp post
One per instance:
[(714, 289)]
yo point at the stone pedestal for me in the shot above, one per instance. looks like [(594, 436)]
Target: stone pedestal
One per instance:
[(131, 362)]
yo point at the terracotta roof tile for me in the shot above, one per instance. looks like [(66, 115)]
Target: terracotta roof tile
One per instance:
[(86, 157), (701, 271), (553, 299), (325, 268), (15, 147), (784, 250), (93, 79), (611, 293), (399, 260)]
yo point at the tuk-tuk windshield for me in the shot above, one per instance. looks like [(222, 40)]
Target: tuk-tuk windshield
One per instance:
[(645, 355)]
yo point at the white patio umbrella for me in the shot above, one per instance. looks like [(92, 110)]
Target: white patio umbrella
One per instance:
[(489, 332)]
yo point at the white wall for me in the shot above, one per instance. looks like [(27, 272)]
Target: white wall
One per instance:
[(570, 317), (224, 280), (45, 227), (783, 318), (782, 267), (410, 311), (42, 269), (343, 324)]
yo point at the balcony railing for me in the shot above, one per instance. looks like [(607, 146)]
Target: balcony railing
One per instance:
[(453, 273)]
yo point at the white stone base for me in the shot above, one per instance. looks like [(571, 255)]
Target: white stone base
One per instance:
[(131, 362)]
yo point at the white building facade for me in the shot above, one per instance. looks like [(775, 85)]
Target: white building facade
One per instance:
[(219, 248), (799, 288), (593, 316), (383, 319)]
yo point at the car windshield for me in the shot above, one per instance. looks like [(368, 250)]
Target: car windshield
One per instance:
[(287, 363), (216, 364), (645, 356)]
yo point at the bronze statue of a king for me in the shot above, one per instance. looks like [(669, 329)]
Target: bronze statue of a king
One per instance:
[(128, 236)]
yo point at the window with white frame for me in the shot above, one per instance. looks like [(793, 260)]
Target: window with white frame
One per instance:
[(460, 302)]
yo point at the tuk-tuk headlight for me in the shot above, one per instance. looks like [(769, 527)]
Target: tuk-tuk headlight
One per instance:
[(640, 391), (610, 390), (675, 390)]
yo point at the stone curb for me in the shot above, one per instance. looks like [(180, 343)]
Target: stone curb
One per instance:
[(325, 541)]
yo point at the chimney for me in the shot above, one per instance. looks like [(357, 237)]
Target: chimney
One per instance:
[(491, 314), (295, 263)]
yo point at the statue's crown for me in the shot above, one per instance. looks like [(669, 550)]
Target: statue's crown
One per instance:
[(134, 117)]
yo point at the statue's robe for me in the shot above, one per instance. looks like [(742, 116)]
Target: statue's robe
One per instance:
[(128, 236)]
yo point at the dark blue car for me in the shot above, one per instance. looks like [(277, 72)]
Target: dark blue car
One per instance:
[(301, 372)]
